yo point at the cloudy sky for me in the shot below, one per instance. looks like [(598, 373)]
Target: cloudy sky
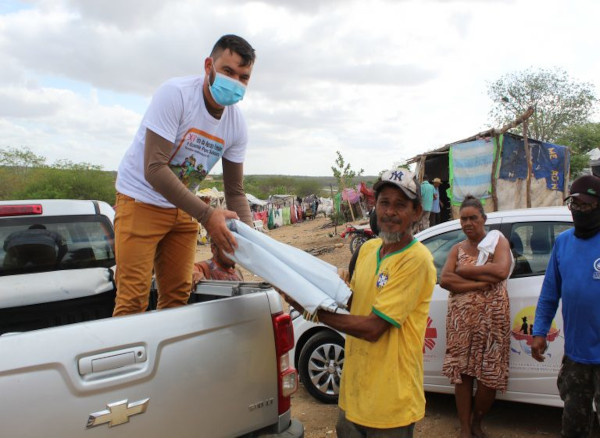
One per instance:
[(380, 81)]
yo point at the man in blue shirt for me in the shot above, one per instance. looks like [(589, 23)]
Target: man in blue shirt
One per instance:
[(434, 217), (573, 275), (427, 202)]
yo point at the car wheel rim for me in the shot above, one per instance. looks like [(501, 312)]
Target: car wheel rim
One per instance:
[(325, 368)]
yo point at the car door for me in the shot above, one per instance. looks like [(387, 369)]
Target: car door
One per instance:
[(532, 238)]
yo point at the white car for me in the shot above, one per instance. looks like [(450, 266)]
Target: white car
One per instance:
[(319, 353)]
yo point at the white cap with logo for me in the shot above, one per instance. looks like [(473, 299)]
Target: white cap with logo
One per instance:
[(401, 178)]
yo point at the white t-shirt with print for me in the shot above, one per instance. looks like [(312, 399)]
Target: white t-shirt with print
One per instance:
[(178, 114)]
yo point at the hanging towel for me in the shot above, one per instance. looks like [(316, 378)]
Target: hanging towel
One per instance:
[(488, 245), (309, 280), (471, 169)]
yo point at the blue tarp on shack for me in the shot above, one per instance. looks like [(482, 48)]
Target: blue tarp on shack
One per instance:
[(548, 160)]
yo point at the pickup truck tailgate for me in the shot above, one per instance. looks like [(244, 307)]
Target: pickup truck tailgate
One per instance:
[(204, 370)]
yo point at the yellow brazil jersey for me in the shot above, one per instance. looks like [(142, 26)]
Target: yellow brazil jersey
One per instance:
[(382, 382)]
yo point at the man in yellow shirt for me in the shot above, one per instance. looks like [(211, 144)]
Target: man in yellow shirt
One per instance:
[(381, 393)]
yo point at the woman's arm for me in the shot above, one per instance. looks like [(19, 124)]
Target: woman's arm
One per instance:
[(496, 270), (452, 281)]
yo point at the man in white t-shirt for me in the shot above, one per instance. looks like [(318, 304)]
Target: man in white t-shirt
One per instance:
[(191, 123)]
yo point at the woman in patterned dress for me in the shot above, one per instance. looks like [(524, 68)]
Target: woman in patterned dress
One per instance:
[(478, 320)]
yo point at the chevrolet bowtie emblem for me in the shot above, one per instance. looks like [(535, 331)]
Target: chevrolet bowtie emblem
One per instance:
[(117, 413)]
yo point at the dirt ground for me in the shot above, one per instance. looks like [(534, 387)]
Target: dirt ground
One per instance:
[(506, 419)]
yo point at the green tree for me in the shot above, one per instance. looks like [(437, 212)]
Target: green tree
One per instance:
[(343, 172), (559, 101), (69, 165), (581, 139), (53, 183), (25, 175), (307, 187), (16, 167), (21, 159)]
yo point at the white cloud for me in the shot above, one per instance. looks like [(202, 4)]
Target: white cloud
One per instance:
[(379, 81)]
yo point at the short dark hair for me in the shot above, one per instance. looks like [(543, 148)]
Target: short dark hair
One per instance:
[(237, 45), (472, 201)]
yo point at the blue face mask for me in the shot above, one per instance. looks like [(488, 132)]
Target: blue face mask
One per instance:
[(226, 91)]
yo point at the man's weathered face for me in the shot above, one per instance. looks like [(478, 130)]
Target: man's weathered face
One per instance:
[(395, 211)]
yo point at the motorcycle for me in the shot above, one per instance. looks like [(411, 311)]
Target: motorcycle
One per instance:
[(358, 235)]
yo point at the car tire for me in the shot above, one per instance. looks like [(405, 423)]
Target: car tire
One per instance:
[(356, 241), (320, 365)]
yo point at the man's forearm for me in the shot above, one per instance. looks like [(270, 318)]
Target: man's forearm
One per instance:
[(235, 196), (166, 183), (544, 314), (362, 327), (163, 180), (239, 204)]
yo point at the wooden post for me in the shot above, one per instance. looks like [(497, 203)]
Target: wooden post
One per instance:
[(494, 166), (333, 203), (529, 165), (422, 167), (351, 211), (567, 175)]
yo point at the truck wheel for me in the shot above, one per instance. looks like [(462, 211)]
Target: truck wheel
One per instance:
[(320, 365), (356, 241)]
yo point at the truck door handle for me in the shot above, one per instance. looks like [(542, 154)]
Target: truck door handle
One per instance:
[(111, 360)]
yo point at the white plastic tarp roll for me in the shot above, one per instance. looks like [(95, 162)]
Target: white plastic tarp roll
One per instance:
[(309, 280)]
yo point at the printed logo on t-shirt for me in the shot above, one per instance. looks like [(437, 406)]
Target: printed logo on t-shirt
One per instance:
[(382, 279), (597, 269), (195, 156)]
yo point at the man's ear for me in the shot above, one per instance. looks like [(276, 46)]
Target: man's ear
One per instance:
[(208, 64), (418, 212)]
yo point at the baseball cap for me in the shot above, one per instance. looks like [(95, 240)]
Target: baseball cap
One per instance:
[(586, 188), (401, 178)]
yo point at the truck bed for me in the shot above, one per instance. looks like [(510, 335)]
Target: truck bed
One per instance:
[(204, 370)]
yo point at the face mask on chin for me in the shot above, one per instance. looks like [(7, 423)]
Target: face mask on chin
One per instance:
[(586, 224)]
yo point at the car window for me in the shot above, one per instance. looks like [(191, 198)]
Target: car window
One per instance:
[(50, 244), (531, 244), (440, 246)]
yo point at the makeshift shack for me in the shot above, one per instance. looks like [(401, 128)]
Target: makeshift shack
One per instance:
[(212, 196), (283, 210), (504, 170), (256, 205), (259, 210)]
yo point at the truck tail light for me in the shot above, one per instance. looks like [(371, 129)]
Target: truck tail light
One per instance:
[(287, 382), (20, 210)]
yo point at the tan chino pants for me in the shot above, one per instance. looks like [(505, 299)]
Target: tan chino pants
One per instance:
[(148, 237)]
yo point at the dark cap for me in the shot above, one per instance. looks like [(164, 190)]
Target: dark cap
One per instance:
[(401, 178), (586, 188)]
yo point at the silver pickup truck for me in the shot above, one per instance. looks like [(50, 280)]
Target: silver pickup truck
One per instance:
[(218, 367)]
